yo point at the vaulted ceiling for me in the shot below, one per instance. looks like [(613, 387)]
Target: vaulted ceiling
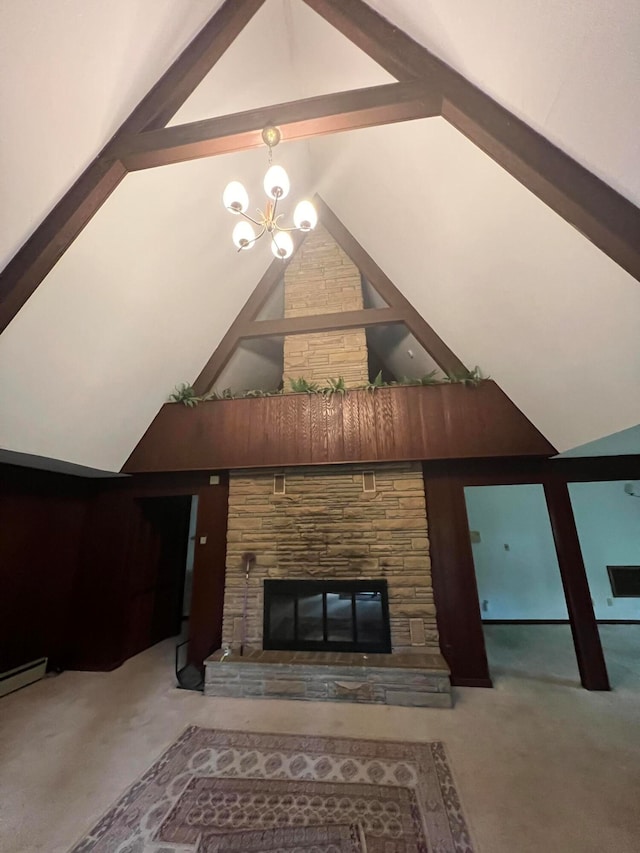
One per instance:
[(146, 292)]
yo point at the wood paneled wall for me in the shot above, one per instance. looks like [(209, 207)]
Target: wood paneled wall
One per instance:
[(41, 521), (87, 566), (389, 425)]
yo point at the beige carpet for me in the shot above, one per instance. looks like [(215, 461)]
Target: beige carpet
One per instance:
[(215, 791)]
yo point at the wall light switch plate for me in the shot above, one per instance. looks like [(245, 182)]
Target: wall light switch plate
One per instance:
[(475, 536), (214, 480), (203, 540)]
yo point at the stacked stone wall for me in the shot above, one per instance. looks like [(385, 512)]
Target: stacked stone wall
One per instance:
[(321, 279), (326, 526)]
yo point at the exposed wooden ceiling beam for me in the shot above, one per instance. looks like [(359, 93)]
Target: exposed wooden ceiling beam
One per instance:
[(37, 257), (601, 214), (324, 322), (50, 240), (445, 358), (373, 106)]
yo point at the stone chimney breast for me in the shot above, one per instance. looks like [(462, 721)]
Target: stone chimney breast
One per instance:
[(321, 279)]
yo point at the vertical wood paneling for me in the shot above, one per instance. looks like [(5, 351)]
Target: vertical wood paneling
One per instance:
[(289, 430), (318, 429), (368, 417), (383, 422), (391, 424), (303, 427), (335, 428), (351, 426)]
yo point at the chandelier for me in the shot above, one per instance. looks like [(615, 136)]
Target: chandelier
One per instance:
[(276, 185)]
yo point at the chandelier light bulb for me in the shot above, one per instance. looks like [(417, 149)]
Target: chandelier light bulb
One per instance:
[(243, 235), (282, 245), (304, 216), (276, 183), (235, 198)]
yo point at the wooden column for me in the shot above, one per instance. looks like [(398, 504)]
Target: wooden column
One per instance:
[(454, 580), (593, 670)]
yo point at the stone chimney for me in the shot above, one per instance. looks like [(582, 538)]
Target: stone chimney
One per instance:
[(321, 279)]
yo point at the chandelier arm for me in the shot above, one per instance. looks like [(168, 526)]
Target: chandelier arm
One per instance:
[(255, 239), (251, 219)]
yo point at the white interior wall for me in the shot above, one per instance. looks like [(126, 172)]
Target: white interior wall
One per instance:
[(522, 582), (608, 522)]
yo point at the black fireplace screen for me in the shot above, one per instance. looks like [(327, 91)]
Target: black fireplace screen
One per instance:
[(341, 616)]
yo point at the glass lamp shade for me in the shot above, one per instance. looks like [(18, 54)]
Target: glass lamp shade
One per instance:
[(235, 198), (282, 245), (276, 182), (304, 216), (243, 235)]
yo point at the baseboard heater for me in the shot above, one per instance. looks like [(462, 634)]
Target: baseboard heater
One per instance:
[(19, 677)]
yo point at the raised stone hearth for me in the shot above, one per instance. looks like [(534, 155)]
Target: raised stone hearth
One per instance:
[(415, 680)]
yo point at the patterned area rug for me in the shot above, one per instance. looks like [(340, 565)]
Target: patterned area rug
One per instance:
[(215, 791)]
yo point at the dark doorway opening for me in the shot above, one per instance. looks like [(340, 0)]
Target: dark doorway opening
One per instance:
[(339, 616), (157, 571)]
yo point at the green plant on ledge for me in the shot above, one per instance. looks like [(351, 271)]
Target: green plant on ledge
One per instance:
[(185, 394), (335, 386), (470, 378), (376, 383), (303, 386)]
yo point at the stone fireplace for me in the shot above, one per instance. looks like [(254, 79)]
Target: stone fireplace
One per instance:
[(343, 548), (327, 527)]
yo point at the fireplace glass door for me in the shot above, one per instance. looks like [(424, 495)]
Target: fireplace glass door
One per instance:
[(341, 616)]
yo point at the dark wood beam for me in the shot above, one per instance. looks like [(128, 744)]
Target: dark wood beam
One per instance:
[(301, 119), (236, 331), (324, 322), (601, 214), (37, 257), (52, 238), (586, 638), (445, 358)]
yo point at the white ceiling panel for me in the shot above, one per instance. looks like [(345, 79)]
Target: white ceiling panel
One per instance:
[(570, 68)]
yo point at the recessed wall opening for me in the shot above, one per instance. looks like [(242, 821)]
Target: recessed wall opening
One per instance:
[(522, 602), (340, 616)]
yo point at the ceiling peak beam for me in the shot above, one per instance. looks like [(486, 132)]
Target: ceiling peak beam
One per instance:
[(601, 214), (352, 110), (445, 358), (39, 254)]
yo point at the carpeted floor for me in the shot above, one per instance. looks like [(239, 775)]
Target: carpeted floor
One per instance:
[(220, 791)]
